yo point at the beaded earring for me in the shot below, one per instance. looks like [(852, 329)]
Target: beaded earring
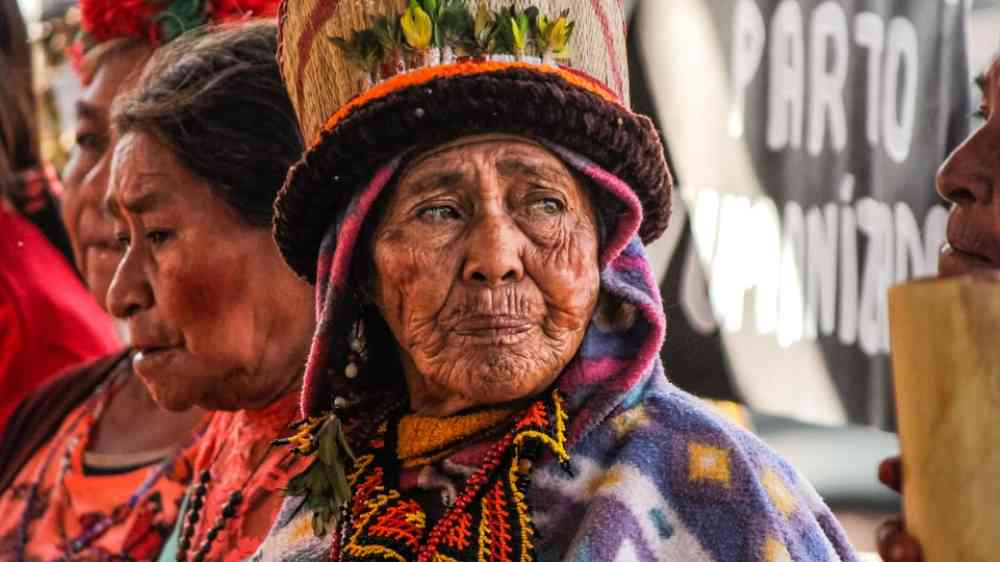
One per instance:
[(358, 354)]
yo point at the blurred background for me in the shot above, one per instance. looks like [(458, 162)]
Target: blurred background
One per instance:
[(796, 207)]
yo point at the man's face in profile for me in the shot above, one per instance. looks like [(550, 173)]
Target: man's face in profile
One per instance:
[(969, 180)]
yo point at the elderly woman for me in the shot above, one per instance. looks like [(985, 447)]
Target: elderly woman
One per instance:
[(475, 197), (969, 180), (78, 480), (217, 319)]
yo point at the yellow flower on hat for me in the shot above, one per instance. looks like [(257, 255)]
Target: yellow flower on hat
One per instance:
[(520, 35), (417, 26), (522, 27), (554, 35)]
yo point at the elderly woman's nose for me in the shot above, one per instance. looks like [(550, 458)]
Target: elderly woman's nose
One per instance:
[(494, 248), (966, 178), (129, 292)]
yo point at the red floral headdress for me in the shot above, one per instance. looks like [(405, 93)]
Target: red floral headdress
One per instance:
[(155, 21)]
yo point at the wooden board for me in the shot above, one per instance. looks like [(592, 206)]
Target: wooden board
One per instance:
[(946, 360)]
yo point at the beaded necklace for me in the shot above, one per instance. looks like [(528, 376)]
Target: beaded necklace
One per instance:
[(229, 510), (99, 527), (29, 504), (119, 514)]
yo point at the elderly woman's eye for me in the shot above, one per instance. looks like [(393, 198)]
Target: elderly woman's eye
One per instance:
[(158, 237), (548, 206), (123, 240), (439, 213), (91, 142)]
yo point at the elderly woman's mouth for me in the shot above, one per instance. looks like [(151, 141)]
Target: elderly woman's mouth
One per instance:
[(153, 358), (494, 327), (954, 262)]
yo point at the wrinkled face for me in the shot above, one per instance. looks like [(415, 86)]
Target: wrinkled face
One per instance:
[(86, 174), (217, 318), (486, 271), (969, 180)]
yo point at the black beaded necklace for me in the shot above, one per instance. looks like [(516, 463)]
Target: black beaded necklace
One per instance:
[(191, 522), (229, 510)]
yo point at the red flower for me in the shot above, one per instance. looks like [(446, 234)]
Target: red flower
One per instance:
[(234, 10), (113, 19)]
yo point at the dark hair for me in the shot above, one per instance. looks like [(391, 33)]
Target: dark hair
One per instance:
[(17, 102), (10, 110), (215, 98)]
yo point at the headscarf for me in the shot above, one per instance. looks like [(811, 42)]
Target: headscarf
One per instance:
[(336, 299)]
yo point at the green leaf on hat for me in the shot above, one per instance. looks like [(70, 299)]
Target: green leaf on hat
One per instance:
[(485, 27), (431, 7), (503, 39), (364, 48), (389, 34), (179, 17), (451, 24), (457, 24)]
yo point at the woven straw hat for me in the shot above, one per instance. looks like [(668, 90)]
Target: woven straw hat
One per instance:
[(371, 79)]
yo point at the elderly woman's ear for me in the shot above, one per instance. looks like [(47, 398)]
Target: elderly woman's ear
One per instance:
[(613, 314)]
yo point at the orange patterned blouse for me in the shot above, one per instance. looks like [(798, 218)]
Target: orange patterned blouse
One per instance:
[(57, 510), (238, 456)]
